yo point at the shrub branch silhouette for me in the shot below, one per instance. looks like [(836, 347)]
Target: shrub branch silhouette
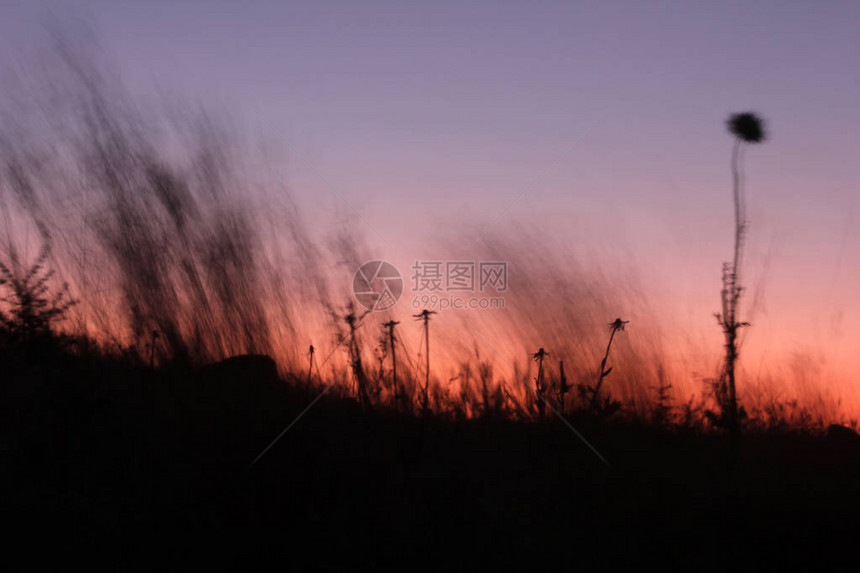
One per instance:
[(32, 307)]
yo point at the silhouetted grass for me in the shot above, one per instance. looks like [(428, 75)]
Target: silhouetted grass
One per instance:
[(105, 448)]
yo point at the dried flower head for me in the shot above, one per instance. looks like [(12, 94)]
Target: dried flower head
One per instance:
[(747, 127)]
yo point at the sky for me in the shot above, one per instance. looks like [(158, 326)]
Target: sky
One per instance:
[(602, 124)]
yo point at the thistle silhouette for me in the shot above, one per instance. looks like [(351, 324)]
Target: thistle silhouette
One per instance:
[(746, 128), (311, 364), (539, 382), (608, 406), (425, 316), (614, 326)]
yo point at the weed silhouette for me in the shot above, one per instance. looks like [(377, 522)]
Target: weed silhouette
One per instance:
[(540, 385), (747, 128), (424, 316), (607, 406)]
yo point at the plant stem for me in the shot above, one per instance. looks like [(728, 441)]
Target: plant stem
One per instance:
[(733, 292), (601, 376)]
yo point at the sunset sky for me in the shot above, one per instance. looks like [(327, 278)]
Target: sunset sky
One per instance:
[(600, 125)]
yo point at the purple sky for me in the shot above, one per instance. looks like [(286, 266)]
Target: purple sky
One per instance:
[(610, 116)]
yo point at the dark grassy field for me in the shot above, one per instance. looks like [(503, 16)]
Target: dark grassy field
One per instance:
[(108, 464)]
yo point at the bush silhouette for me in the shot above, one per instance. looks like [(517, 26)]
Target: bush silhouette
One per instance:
[(32, 307)]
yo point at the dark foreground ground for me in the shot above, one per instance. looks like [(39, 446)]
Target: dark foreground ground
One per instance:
[(114, 467)]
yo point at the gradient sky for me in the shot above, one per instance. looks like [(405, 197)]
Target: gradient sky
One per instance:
[(599, 122)]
